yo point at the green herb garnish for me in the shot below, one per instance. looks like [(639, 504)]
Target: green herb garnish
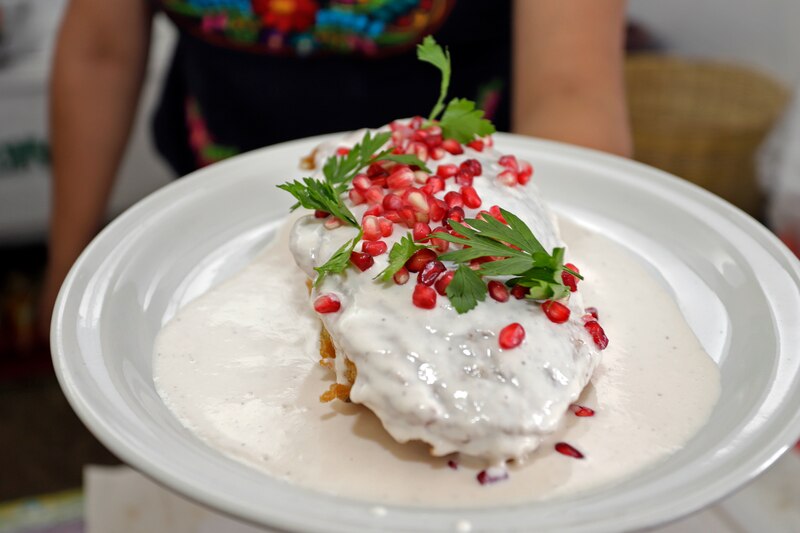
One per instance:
[(321, 196), (339, 261), (518, 253), (466, 289), (461, 120), (401, 251)]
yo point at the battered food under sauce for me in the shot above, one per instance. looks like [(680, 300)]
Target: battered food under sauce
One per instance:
[(238, 367)]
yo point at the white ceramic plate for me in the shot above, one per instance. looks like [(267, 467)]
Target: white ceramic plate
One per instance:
[(737, 285)]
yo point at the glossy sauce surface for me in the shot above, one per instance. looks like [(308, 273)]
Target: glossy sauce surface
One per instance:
[(238, 366)]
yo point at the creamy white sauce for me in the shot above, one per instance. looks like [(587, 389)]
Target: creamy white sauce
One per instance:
[(238, 366), (440, 377)]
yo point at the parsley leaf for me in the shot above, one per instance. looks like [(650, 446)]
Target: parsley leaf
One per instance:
[(401, 251), (429, 51), (466, 289), (338, 262), (319, 195), (341, 169), (462, 122), (405, 159), (516, 252)]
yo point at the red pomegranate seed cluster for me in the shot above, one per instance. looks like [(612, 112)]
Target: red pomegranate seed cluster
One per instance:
[(399, 194)]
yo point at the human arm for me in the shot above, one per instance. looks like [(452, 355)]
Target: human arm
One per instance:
[(568, 72), (99, 66)]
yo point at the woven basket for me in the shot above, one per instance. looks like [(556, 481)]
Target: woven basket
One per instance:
[(702, 121)]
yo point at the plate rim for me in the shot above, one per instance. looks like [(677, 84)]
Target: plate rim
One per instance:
[(743, 471)]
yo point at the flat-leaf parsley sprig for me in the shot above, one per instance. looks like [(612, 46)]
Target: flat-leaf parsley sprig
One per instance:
[(514, 250), (461, 120)]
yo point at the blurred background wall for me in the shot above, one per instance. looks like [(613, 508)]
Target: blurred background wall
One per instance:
[(762, 34)]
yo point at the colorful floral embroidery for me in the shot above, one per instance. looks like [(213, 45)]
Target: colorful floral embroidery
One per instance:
[(303, 27), (206, 151), (489, 95)]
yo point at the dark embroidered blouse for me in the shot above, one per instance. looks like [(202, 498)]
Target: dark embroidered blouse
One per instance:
[(249, 73)]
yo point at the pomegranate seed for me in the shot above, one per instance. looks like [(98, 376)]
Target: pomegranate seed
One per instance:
[(372, 230), (424, 297), (373, 195), (511, 336), (455, 213), (430, 272), (421, 217), (400, 179), (342, 150), (380, 182), (442, 283), (374, 211), (436, 184), (470, 197), (592, 311), (374, 248), (421, 232), (361, 260), (452, 464), (509, 161), (473, 165), (417, 201), (433, 129), (418, 149), (525, 172), (519, 292), (401, 276), (362, 182), (453, 199), (568, 279), (392, 202), (375, 170), (419, 259), (332, 223), (321, 214), (495, 212), (565, 449), (464, 177), (477, 144), (446, 171), (437, 153), (415, 122), (420, 135), (408, 217), (392, 216), (579, 410), (508, 178), (492, 475), (438, 210), (327, 303), (434, 141), (452, 146), (498, 291), (441, 245), (555, 311), (597, 333), (386, 227), (421, 176), (356, 197)]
